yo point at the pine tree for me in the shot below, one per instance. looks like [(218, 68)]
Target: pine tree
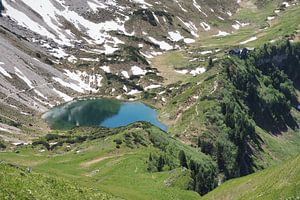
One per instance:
[(160, 164), (182, 159)]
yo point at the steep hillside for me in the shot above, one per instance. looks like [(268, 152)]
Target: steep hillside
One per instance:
[(242, 111), (280, 182)]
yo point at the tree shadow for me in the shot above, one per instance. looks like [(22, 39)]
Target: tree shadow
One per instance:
[(276, 127)]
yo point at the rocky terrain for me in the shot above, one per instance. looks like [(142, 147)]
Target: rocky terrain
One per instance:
[(53, 51)]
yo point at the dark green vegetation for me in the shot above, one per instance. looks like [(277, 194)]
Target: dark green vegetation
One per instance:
[(256, 92), (246, 117)]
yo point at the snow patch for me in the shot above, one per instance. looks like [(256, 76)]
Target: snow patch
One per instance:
[(184, 71), (125, 74), (24, 78), (134, 92), (188, 40), (198, 70), (106, 69), (138, 71), (205, 52), (222, 34), (205, 26), (162, 44), (4, 72), (152, 87), (175, 36), (249, 40), (64, 96)]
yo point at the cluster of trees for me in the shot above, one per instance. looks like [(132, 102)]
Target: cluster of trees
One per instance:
[(263, 82), (158, 163), (258, 89), (203, 176)]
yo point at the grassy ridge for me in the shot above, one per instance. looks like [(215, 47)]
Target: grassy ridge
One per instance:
[(278, 182), (122, 171)]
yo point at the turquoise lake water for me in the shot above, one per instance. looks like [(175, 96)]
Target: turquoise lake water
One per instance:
[(100, 112)]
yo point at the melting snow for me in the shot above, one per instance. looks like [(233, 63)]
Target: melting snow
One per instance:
[(188, 40), (238, 25), (72, 59), (125, 88), (162, 44), (191, 26), (175, 36), (84, 81), (180, 6), (4, 72), (51, 16), (63, 95), (198, 7), (23, 77), (205, 26), (142, 2), (197, 71), (133, 92), (138, 71), (270, 18), (5, 130), (90, 59), (205, 52), (286, 4), (40, 94), (249, 40), (152, 87), (221, 18), (125, 74), (106, 69), (221, 34), (184, 71)]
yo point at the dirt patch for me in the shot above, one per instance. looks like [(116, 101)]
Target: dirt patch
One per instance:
[(97, 160)]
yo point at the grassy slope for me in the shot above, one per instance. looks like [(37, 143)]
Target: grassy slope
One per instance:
[(278, 182), (19, 183), (285, 23), (121, 172)]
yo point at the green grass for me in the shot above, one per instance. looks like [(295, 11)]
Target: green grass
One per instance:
[(20, 183), (285, 24), (277, 182), (121, 172), (280, 147)]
